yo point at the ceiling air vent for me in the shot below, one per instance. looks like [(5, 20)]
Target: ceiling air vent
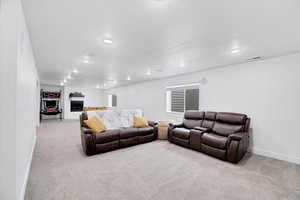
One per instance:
[(253, 59)]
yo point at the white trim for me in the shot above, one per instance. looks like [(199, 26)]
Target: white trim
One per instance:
[(183, 85), (76, 98), (276, 155), (23, 189)]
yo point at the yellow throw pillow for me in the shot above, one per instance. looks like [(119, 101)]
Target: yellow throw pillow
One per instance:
[(95, 124), (140, 122)]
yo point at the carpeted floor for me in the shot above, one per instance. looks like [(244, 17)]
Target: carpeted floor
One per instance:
[(157, 170)]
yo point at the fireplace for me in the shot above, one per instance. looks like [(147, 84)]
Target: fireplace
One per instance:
[(76, 106)]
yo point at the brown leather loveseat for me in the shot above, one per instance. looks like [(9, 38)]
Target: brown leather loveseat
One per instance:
[(220, 134), (94, 143)]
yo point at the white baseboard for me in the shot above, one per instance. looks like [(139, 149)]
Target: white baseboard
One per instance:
[(22, 196), (276, 155)]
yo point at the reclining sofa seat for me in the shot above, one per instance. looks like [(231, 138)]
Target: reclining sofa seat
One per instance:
[(93, 143), (222, 135)]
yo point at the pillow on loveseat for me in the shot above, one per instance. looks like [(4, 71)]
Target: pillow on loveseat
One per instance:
[(140, 122), (95, 124)]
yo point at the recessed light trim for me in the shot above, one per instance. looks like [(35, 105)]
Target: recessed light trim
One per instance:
[(62, 84), (98, 86), (69, 76), (107, 41), (64, 80), (75, 71), (128, 78), (85, 61), (236, 50), (149, 73)]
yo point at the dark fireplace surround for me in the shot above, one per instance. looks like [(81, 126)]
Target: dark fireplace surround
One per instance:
[(76, 102), (76, 106)]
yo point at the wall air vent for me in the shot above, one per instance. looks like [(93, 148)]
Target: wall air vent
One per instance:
[(253, 59)]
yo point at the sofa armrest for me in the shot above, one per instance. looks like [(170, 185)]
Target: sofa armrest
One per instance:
[(85, 130), (175, 125), (88, 141), (237, 146), (152, 123), (202, 129), (237, 136)]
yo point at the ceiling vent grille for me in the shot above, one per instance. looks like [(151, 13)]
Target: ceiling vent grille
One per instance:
[(253, 59)]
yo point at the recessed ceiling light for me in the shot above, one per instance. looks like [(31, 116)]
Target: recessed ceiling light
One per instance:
[(236, 50), (128, 78), (69, 76), (182, 65), (107, 41), (98, 86), (62, 83), (75, 71), (85, 61), (148, 72), (64, 80)]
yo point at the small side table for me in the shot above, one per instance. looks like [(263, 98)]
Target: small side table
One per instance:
[(163, 130)]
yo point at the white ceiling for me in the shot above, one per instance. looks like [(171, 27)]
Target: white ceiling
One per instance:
[(156, 35)]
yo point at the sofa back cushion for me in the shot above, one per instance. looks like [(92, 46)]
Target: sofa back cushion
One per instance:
[(192, 119), (228, 123), (209, 119), (117, 118), (226, 129), (232, 118)]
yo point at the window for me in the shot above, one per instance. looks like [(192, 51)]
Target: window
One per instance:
[(112, 100), (183, 98)]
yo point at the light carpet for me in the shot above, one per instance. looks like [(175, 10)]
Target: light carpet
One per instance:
[(157, 170)]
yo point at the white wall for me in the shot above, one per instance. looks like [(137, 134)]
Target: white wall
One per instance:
[(19, 86), (93, 98), (268, 91), (8, 66), (27, 105)]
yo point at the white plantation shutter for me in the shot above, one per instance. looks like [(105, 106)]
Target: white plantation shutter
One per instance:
[(114, 100), (182, 98), (177, 101), (192, 99)]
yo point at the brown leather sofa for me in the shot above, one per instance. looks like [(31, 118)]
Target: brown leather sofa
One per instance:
[(94, 143), (220, 134)]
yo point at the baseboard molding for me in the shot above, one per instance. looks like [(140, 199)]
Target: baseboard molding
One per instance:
[(22, 196), (276, 155)]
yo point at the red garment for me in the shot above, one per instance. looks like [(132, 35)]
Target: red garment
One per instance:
[(52, 110)]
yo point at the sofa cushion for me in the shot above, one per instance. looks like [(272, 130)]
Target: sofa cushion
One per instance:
[(140, 122), (128, 132), (181, 133), (210, 115), (226, 129), (194, 115), (232, 118), (190, 123), (95, 124), (214, 140), (209, 119), (107, 136), (146, 130)]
